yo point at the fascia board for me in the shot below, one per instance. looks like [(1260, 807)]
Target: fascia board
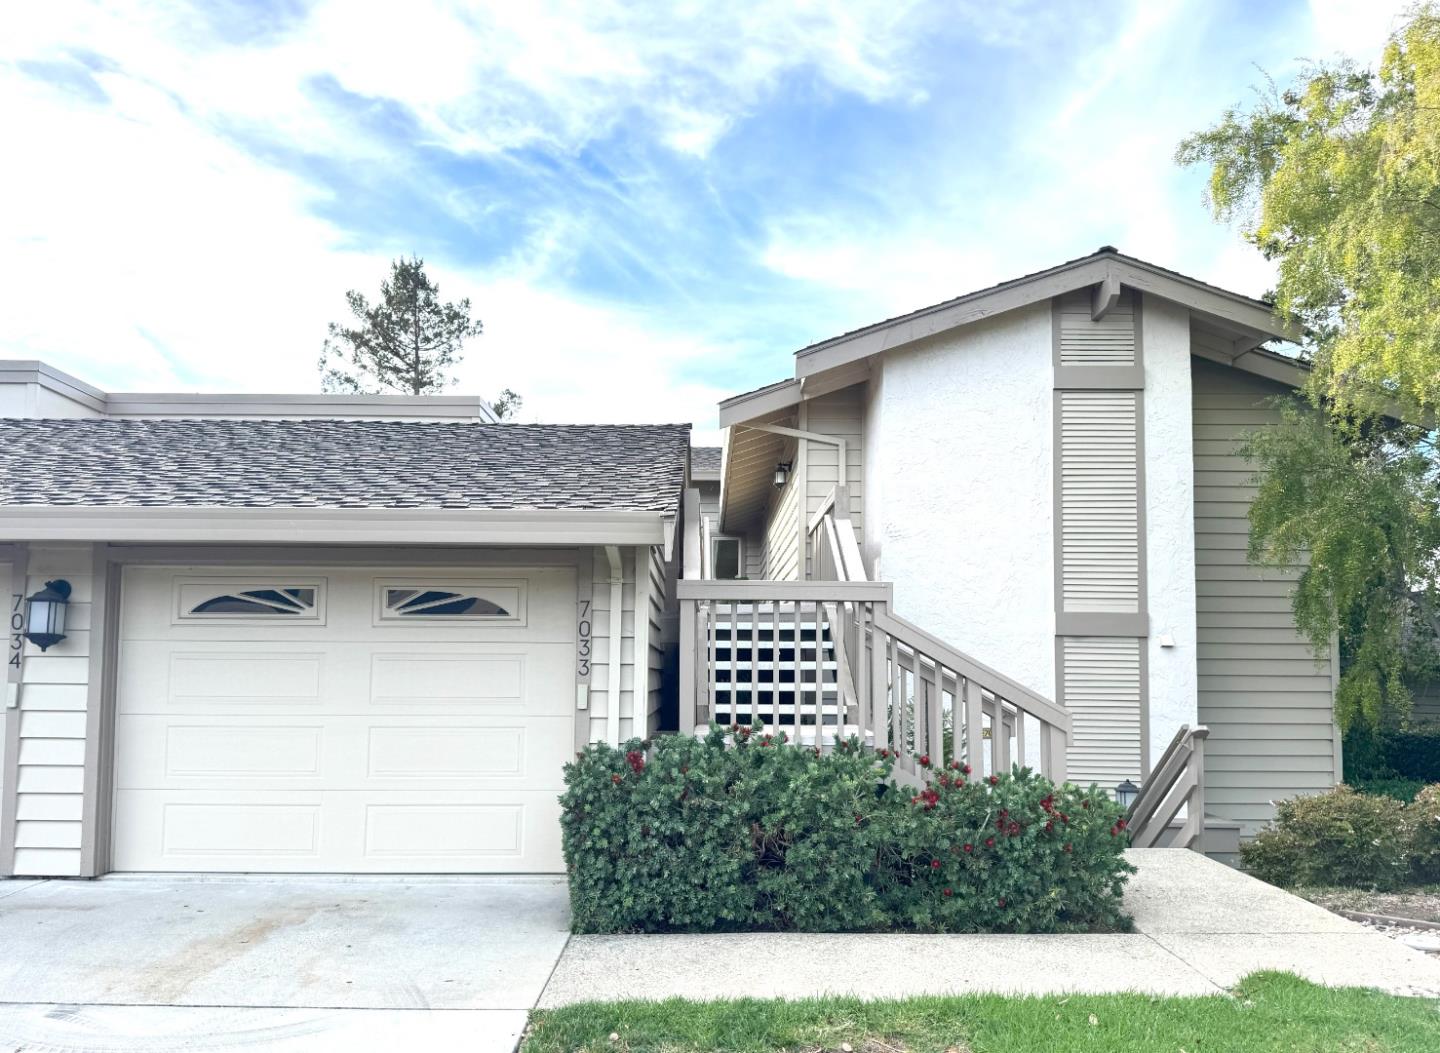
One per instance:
[(331, 526)]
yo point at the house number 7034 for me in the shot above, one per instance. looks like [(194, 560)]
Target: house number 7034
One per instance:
[(583, 630), (17, 628)]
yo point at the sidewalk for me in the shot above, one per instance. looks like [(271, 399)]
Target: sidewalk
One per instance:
[(1200, 927)]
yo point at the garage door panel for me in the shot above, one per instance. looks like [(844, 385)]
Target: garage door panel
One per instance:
[(335, 832), (350, 753), (351, 741)]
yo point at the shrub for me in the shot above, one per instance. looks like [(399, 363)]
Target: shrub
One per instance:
[(1413, 754), (1396, 787), (1392, 753), (1335, 838), (742, 832), (1423, 823)]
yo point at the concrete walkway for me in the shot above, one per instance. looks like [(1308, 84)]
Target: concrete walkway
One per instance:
[(1201, 926), (294, 963), (160, 964)]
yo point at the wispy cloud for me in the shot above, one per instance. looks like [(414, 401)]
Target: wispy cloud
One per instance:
[(649, 204)]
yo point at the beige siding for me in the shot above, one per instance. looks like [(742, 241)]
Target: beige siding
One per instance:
[(602, 688), (781, 561), (839, 414), (659, 593), (50, 771), (1427, 703), (1267, 700)]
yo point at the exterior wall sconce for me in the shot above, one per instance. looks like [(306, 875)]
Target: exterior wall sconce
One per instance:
[(1126, 793), (782, 474), (45, 614)]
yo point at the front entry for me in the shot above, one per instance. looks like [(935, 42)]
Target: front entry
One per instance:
[(340, 719)]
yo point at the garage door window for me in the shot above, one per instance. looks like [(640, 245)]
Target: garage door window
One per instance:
[(247, 600), (427, 602)]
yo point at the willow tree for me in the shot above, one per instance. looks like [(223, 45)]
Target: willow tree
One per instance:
[(1336, 179)]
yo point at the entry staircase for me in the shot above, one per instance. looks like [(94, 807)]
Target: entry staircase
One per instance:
[(827, 658)]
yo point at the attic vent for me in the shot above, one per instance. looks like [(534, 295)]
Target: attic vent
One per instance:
[(1108, 342)]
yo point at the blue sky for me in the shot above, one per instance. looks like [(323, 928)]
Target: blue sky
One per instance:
[(650, 206)]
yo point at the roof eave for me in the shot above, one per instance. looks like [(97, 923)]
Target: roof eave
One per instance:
[(415, 526), (1249, 315), (780, 395)]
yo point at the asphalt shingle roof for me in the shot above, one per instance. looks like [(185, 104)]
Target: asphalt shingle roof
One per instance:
[(705, 458), (341, 464)]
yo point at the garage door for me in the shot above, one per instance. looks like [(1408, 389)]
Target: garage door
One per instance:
[(343, 720)]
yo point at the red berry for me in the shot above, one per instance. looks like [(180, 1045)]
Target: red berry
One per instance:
[(1120, 825), (1050, 826), (994, 780), (925, 760), (934, 864), (954, 765), (966, 769), (615, 778), (948, 893), (989, 842), (969, 848)]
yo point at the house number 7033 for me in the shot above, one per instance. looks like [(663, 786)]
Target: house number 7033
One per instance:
[(583, 645)]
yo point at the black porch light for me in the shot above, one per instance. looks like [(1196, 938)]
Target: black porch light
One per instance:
[(45, 614), (782, 474), (1126, 793)]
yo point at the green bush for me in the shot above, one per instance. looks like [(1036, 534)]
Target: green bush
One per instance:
[(738, 831), (1335, 838), (1423, 826), (1396, 787), (1392, 754), (1413, 754)]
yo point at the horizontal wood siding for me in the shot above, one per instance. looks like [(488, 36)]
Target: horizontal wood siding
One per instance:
[(51, 724), (602, 689), (782, 535), (657, 637), (839, 414), (1266, 698)]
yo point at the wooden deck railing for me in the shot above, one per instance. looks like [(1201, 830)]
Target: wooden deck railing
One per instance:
[(824, 660), (1178, 781)]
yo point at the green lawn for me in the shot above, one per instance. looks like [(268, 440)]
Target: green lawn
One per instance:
[(1268, 1012)]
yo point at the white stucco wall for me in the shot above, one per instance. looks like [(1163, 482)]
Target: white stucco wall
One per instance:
[(1169, 519), (966, 519)]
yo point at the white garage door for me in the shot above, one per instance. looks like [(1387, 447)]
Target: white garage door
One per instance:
[(343, 720)]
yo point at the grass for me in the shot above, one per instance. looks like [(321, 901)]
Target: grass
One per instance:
[(1267, 1012)]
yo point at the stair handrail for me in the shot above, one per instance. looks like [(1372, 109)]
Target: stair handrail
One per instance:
[(1177, 780)]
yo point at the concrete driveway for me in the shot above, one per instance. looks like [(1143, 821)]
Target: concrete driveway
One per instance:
[(152, 963)]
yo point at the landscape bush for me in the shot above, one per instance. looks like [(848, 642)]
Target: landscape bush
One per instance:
[(1336, 838), (1422, 821), (740, 831), (1391, 786)]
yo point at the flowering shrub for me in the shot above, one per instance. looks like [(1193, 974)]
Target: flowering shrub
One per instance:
[(1336, 838), (739, 831)]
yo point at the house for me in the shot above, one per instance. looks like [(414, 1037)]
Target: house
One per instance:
[(351, 634), (1046, 472), (363, 639)]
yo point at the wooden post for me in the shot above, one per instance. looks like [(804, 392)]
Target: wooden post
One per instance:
[(689, 645)]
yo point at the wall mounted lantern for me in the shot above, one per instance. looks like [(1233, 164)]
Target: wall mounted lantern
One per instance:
[(782, 474), (45, 614), (1126, 793)]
